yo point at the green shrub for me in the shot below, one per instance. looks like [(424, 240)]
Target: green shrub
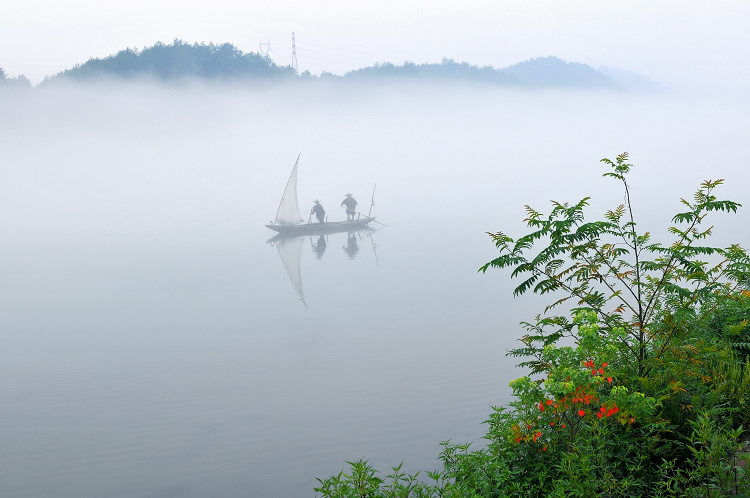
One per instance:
[(640, 389)]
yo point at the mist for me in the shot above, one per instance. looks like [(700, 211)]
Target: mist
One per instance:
[(153, 341)]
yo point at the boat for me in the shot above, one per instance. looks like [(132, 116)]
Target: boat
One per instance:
[(289, 221)]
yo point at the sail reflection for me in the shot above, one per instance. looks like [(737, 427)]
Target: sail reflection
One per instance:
[(290, 250)]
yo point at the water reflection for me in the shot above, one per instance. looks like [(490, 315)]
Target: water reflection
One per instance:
[(290, 250), (319, 248), (351, 248)]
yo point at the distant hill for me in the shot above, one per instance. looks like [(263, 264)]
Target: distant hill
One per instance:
[(554, 72), (632, 81), (225, 62), (448, 69), (179, 60)]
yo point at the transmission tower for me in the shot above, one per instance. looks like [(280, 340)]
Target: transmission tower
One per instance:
[(264, 48), (294, 56)]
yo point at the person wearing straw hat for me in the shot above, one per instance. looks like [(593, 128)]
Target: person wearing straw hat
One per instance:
[(351, 205), (320, 213)]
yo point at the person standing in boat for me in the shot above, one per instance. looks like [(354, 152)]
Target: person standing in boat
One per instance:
[(351, 205), (320, 213)]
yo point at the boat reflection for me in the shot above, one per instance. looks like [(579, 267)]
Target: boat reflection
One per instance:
[(290, 250)]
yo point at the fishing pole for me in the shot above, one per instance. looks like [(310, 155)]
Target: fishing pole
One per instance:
[(371, 219), (372, 200)]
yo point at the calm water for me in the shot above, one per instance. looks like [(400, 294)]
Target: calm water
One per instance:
[(153, 342)]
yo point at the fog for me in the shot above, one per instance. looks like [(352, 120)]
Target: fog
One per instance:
[(153, 344)]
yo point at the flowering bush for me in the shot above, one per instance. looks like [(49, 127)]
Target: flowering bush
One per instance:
[(578, 391)]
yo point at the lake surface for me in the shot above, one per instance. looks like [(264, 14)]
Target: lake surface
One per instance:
[(153, 343)]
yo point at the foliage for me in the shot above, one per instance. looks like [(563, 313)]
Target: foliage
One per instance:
[(641, 388), (362, 482), (730, 323), (579, 431), (718, 466), (654, 292)]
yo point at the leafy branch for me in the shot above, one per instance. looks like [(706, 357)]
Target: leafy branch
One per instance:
[(608, 267)]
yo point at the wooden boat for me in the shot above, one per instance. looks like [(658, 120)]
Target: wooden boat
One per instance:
[(289, 221), (319, 228)]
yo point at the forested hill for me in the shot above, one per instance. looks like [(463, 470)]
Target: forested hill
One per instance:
[(178, 61), (19, 81), (181, 61)]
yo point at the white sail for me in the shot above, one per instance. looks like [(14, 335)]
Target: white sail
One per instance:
[(288, 213), (289, 251)]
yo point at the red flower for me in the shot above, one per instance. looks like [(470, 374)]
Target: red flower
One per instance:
[(609, 379), (599, 415), (581, 413), (601, 371), (549, 402), (552, 424), (563, 426), (604, 364)]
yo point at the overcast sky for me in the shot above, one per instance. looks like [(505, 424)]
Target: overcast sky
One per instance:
[(672, 41)]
